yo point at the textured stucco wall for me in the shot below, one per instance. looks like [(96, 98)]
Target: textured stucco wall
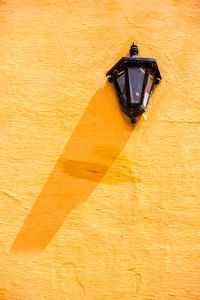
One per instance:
[(91, 208)]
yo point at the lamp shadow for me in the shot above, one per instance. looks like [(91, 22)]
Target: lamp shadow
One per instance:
[(96, 142)]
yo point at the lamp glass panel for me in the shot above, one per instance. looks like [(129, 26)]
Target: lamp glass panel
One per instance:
[(148, 91), (121, 83), (136, 78)]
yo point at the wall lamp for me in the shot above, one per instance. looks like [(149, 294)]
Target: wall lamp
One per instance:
[(134, 79)]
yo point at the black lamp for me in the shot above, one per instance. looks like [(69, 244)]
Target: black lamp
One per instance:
[(134, 79)]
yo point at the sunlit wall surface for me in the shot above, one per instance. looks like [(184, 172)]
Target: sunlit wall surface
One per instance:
[(90, 207)]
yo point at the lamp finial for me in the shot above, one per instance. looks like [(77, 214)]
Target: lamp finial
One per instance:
[(134, 50)]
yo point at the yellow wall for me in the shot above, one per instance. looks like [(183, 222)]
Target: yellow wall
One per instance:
[(91, 208)]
